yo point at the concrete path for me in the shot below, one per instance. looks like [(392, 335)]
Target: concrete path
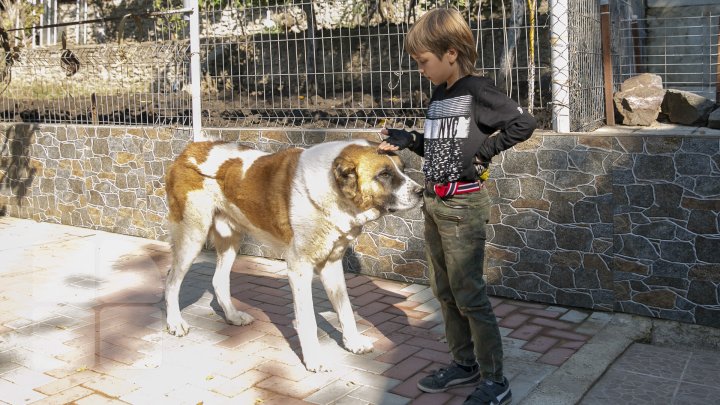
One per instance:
[(81, 321)]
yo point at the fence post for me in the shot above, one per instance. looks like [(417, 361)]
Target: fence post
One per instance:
[(607, 61), (717, 68), (560, 60), (195, 68)]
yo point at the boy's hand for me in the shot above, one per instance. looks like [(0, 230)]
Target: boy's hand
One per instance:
[(397, 139)]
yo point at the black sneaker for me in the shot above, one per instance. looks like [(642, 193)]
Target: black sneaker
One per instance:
[(490, 393), (450, 377)]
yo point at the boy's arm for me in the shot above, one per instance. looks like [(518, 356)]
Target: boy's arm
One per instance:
[(498, 111), (402, 139)]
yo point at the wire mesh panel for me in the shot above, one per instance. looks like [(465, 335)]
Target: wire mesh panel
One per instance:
[(342, 63), (121, 81), (680, 44), (266, 63), (586, 75)]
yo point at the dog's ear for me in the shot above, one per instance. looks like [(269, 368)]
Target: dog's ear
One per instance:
[(345, 176)]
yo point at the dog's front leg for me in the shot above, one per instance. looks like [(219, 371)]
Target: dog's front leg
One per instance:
[(334, 282), (300, 275)]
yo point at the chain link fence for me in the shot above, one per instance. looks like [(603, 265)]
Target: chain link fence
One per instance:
[(266, 63)]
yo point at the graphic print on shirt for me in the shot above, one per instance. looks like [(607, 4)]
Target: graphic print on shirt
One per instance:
[(446, 125)]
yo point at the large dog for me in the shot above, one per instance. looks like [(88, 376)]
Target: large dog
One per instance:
[(311, 202)]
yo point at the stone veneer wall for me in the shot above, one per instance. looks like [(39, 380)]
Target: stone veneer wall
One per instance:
[(611, 222)]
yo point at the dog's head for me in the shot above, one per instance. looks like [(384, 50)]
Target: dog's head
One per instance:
[(373, 179)]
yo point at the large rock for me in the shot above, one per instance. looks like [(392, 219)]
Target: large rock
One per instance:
[(686, 108), (714, 119), (639, 99)]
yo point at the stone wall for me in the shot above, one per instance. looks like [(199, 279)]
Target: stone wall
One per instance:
[(612, 222)]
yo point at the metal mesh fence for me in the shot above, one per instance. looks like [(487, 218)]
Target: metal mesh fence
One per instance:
[(266, 63), (586, 75), (118, 81), (267, 66), (679, 44)]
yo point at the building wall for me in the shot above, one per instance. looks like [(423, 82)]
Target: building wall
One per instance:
[(611, 222)]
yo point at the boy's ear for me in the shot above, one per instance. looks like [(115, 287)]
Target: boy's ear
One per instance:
[(452, 54)]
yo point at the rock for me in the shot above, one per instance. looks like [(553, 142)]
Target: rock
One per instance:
[(639, 99), (714, 119), (686, 108)]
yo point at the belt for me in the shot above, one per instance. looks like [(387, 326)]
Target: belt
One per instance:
[(445, 190)]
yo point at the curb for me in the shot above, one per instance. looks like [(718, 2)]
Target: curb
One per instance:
[(569, 383)]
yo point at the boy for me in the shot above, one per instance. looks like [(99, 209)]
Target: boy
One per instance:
[(457, 146)]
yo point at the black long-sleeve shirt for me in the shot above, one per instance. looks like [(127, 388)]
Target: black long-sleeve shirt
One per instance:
[(458, 126)]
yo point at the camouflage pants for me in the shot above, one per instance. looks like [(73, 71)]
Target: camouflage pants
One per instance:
[(455, 249)]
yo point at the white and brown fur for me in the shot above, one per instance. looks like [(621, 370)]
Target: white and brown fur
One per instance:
[(311, 202)]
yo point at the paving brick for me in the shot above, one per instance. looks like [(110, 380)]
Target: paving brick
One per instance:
[(66, 396), (556, 357), (331, 392), (232, 369), (66, 382), (408, 388), (422, 296), (432, 399), (514, 321), (374, 395), (353, 281), (360, 290), (372, 308), (540, 344), (526, 332), (18, 394), (110, 386), (551, 323), (367, 298), (433, 344), (574, 316), (563, 334), (241, 383), (504, 309), (407, 368), (434, 355), (378, 318), (286, 387), (398, 354), (365, 364), (366, 378), (96, 399), (294, 373), (541, 312)]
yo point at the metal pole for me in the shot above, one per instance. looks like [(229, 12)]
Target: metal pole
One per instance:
[(195, 68), (560, 60), (607, 62), (717, 69)]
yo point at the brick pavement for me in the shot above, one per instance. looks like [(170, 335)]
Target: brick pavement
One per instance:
[(81, 321)]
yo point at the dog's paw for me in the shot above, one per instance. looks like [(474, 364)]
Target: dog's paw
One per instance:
[(239, 318), (358, 344), (317, 366), (177, 326)]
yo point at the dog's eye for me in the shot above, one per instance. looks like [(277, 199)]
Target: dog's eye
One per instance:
[(384, 175)]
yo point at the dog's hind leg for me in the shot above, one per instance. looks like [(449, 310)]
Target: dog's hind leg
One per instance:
[(334, 282), (226, 247), (187, 241)]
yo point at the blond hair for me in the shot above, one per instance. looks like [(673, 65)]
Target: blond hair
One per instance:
[(437, 31)]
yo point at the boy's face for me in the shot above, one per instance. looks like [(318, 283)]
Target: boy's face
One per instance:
[(438, 70)]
